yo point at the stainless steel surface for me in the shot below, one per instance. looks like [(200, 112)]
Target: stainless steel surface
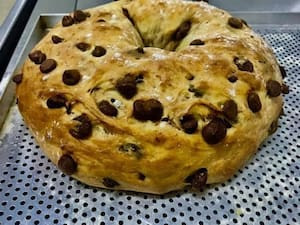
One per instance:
[(10, 20), (5, 7), (270, 18), (230, 5), (258, 5), (84, 4), (266, 191), (76, 5)]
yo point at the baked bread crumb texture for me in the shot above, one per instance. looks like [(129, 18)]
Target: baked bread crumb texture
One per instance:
[(151, 95)]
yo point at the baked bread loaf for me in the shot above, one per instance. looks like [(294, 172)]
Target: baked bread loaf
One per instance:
[(150, 95)]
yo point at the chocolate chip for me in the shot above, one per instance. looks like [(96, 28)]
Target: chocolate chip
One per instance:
[(197, 42), (189, 76), (101, 21), (285, 89), (127, 86), (244, 22), (147, 110), (232, 78), (189, 123), (56, 101), (48, 65), (99, 51), (226, 122), (67, 164), (132, 149), (126, 13), (139, 79), (82, 130), (37, 57), (141, 176), (140, 50), (71, 77), (68, 108), (67, 21), (92, 90), (197, 92), (283, 72), (110, 183), (56, 39), (137, 53), (165, 119), (230, 109), (197, 179), (107, 109), (254, 102), (235, 22), (214, 132), (82, 46), (273, 88), (243, 65), (273, 127), (18, 78), (80, 16), (182, 31)]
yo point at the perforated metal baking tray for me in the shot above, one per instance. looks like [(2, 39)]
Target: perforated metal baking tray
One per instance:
[(265, 191)]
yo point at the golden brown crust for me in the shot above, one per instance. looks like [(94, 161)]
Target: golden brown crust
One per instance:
[(167, 154)]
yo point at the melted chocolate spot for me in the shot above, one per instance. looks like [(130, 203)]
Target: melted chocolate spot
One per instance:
[(67, 164), (182, 31), (71, 77), (254, 102), (110, 183), (197, 92), (235, 22), (37, 57), (131, 148), (101, 21), (214, 132), (165, 119), (190, 77), (273, 88), (107, 109), (198, 179), (56, 39), (230, 109), (144, 110), (244, 65), (56, 101), (99, 51), (141, 176), (189, 123), (232, 79), (197, 42), (82, 46), (18, 78), (139, 79), (67, 21), (127, 86), (82, 130), (80, 16), (140, 50), (48, 65), (285, 89)]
